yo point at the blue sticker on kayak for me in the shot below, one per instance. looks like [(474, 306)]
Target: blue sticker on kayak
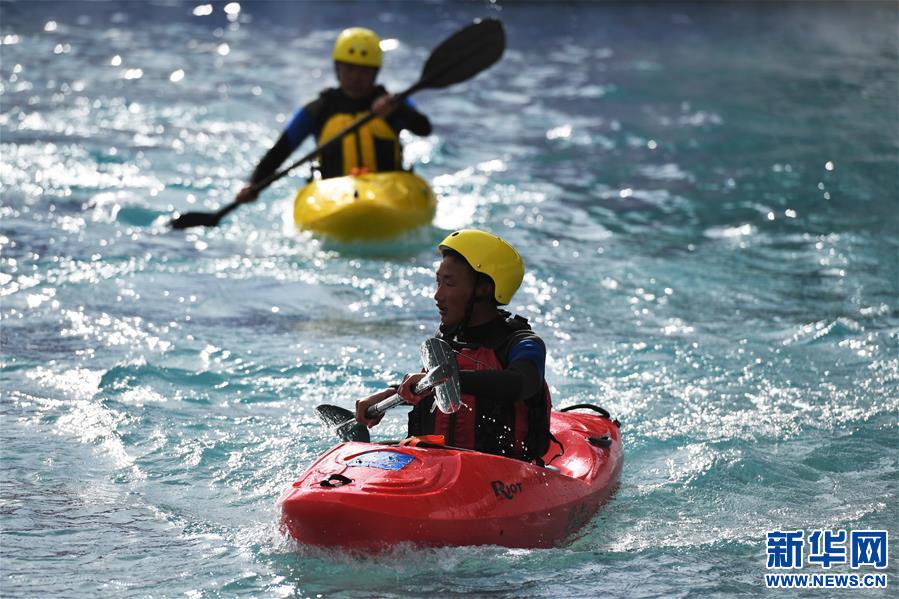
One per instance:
[(385, 460)]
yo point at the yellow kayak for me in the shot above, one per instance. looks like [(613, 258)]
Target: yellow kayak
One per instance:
[(361, 207)]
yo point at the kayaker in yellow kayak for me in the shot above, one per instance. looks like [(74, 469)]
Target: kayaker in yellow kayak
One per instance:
[(501, 360), (375, 146)]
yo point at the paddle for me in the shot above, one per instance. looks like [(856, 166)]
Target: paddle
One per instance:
[(461, 56), (442, 376)]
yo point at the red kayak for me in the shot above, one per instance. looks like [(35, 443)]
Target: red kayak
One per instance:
[(370, 495)]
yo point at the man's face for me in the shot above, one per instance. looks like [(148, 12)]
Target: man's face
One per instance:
[(455, 285), (356, 81)]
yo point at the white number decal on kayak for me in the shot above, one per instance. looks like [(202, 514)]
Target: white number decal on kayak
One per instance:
[(504, 491)]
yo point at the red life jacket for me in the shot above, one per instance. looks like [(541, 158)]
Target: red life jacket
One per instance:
[(521, 433)]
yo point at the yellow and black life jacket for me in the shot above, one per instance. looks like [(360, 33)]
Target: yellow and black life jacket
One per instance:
[(374, 146)]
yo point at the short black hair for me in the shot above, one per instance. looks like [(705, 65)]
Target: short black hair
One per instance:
[(449, 252)]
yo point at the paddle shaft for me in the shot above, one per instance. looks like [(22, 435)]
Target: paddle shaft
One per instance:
[(448, 64), (385, 404), (355, 125), (259, 186), (395, 400)]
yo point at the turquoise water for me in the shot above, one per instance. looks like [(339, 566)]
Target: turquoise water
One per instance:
[(707, 199)]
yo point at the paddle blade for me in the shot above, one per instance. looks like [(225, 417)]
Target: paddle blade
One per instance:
[(343, 422), (195, 219), (440, 360), (203, 219), (464, 54)]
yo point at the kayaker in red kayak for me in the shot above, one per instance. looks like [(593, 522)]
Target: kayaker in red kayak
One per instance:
[(501, 360), (375, 146)]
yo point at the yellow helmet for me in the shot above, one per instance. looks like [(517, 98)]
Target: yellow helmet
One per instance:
[(358, 45), (491, 255)]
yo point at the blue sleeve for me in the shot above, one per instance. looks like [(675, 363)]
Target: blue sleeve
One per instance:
[(529, 350), (299, 128)]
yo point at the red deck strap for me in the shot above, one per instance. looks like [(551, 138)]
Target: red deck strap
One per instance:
[(428, 439)]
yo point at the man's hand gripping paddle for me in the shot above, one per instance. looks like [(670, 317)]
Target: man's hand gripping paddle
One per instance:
[(442, 376)]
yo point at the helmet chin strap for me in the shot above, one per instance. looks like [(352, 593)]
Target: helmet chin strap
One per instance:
[(469, 311)]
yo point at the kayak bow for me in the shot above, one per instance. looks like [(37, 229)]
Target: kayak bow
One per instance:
[(372, 496)]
